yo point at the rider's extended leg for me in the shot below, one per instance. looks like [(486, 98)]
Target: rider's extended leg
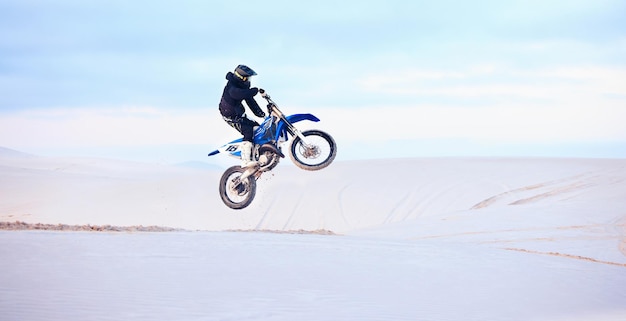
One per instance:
[(246, 155), (246, 127)]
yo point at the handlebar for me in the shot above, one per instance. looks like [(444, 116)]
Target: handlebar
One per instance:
[(271, 106)]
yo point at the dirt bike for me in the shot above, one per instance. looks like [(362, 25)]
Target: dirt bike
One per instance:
[(310, 150)]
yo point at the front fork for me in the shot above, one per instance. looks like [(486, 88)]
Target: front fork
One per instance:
[(292, 129)]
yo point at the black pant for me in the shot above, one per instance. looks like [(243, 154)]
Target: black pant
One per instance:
[(243, 125)]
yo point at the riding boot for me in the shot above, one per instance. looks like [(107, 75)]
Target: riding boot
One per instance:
[(246, 155)]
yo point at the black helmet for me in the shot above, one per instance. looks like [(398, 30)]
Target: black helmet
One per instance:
[(243, 72)]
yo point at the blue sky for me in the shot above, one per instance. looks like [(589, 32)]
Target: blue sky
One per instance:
[(141, 79)]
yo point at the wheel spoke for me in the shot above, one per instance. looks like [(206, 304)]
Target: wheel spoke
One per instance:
[(317, 152), (235, 193)]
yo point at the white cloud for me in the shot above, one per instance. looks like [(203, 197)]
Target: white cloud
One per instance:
[(547, 105), (512, 123), (491, 80), (129, 126), (568, 105), (552, 105)]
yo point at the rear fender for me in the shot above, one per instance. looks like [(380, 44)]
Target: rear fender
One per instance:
[(232, 148)]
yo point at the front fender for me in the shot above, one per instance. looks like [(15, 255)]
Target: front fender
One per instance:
[(282, 130), (300, 117)]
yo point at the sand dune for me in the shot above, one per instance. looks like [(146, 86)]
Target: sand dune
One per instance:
[(404, 239)]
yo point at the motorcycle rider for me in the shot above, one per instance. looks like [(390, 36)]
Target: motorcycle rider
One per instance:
[(238, 89)]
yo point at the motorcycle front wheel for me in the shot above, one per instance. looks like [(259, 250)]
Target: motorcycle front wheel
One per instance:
[(237, 193), (317, 153)]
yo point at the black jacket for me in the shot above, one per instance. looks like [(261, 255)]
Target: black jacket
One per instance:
[(235, 92)]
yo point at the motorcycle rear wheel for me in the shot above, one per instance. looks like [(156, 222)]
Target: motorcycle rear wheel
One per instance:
[(235, 193), (320, 152)]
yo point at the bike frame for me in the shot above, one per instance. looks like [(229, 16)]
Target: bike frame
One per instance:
[(274, 129)]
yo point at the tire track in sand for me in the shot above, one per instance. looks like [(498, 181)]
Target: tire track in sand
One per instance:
[(569, 256)]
